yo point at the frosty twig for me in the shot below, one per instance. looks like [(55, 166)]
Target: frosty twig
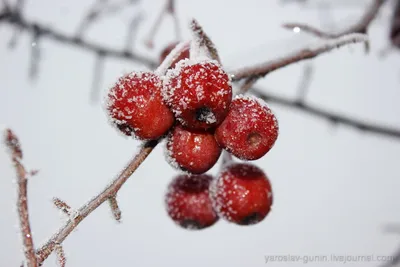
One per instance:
[(108, 192), (12, 142), (360, 26), (302, 54)]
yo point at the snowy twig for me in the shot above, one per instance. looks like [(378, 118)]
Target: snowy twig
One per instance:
[(328, 115), (15, 18), (12, 142), (202, 43), (108, 192), (303, 54), (360, 26)]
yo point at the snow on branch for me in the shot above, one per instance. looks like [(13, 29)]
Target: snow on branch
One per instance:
[(361, 26), (319, 48)]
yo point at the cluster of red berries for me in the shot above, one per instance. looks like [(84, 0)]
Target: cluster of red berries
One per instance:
[(192, 106)]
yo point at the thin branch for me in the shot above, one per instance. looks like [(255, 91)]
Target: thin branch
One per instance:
[(15, 19), (303, 54), (98, 70), (116, 211), (12, 142), (305, 82), (99, 9), (171, 10), (328, 115), (360, 26), (110, 191), (132, 31), (61, 205), (60, 255)]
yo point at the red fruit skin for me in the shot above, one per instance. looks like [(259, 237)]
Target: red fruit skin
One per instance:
[(188, 202), (249, 130), (199, 94), (242, 194), (185, 54), (193, 151), (135, 106)]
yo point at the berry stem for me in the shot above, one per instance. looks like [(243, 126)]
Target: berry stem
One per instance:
[(108, 192)]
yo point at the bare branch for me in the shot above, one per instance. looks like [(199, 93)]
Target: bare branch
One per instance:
[(61, 205), (328, 115), (12, 142), (132, 30), (97, 76), (305, 82), (361, 26), (15, 19), (115, 208), (303, 54), (100, 9), (110, 191), (35, 55)]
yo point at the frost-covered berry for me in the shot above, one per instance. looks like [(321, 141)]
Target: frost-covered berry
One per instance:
[(188, 201), (242, 194), (192, 151), (136, 107), (184, 54), (199, 93), (249, 130)]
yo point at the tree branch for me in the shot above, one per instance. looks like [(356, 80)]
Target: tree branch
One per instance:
[(302, 54), (12, 142), (328, 115), (16, 19), (361, 26), (108, 192)]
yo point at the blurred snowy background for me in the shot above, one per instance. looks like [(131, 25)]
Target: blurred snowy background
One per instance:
[(335, 187)]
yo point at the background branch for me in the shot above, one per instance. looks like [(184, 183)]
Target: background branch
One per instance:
[(361, 26), (327, 115), (16, 19)]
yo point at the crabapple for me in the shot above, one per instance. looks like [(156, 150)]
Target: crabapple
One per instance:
[(136, 107), (188, 201), (242, 194), (249, 130), (199, 93), (192, 151)]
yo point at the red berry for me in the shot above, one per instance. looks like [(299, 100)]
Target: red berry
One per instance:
[(198, 93), (242, 194), (249, 130), (188, 201), (135, 106), (185, 54), (192, 151)]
